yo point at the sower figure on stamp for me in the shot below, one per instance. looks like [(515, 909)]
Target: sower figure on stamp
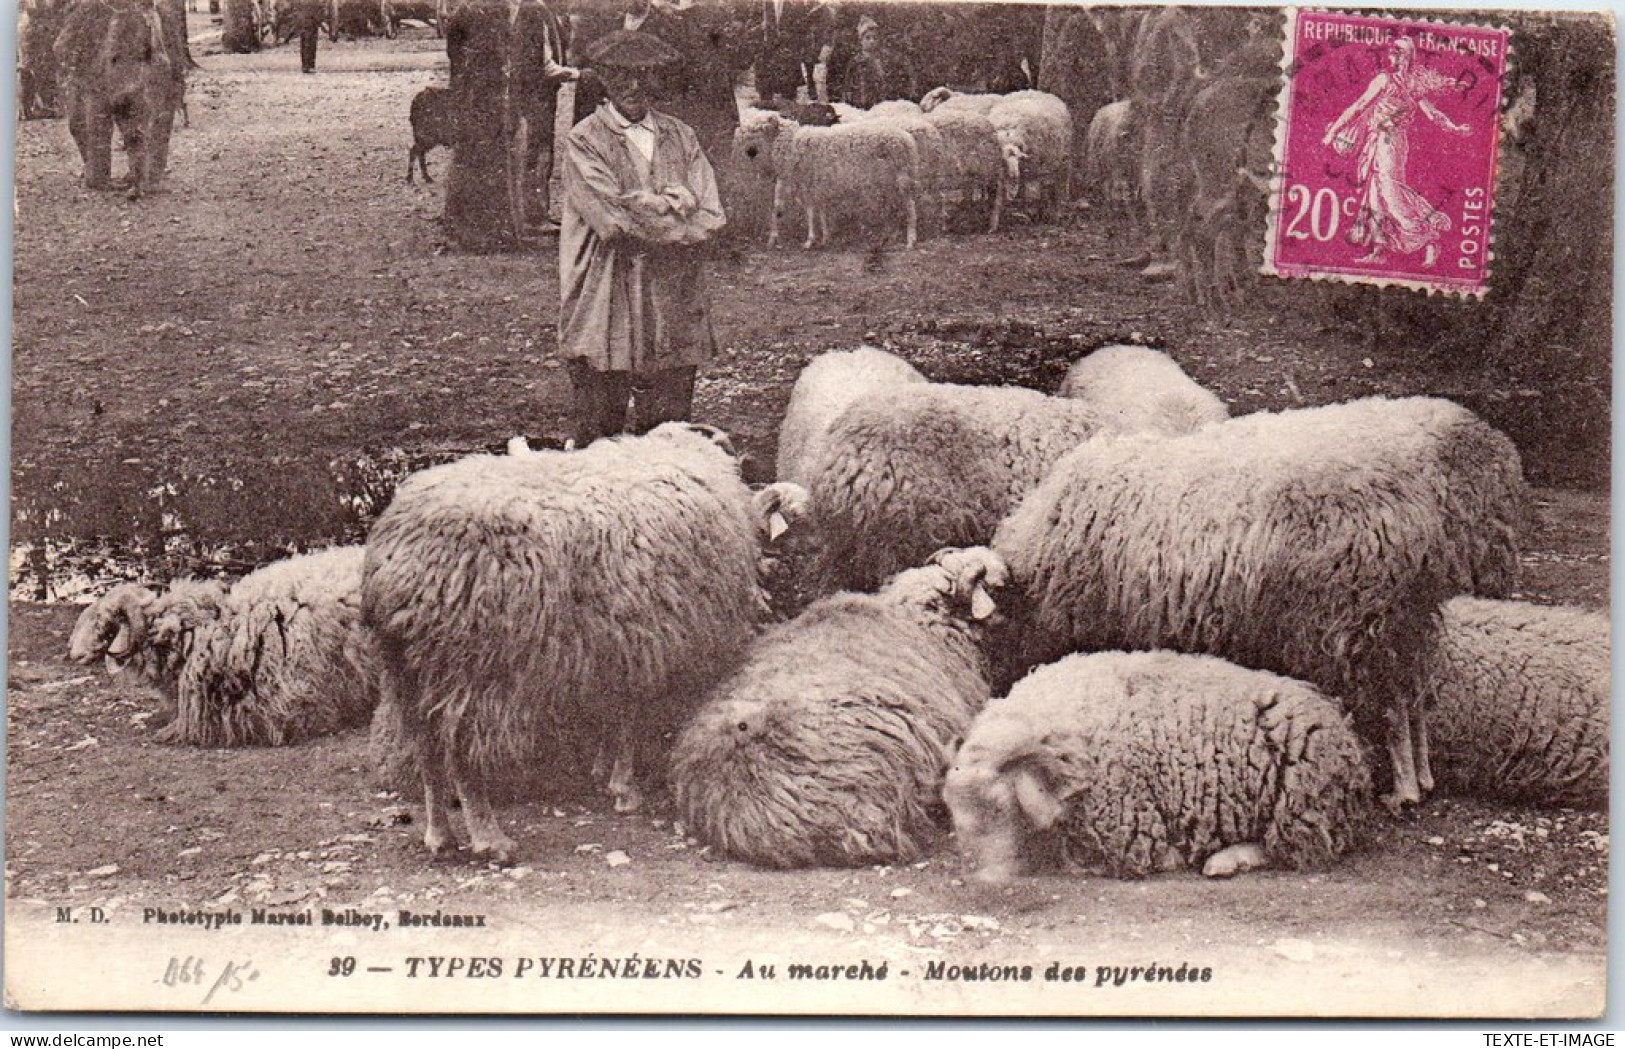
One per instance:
[(1392, 215), (640, 206)]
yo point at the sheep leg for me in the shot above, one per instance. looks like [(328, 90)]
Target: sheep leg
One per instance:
[(1419, 743), (1246, 856), (485, 837), (913, 223), (773, 217), (812, 228), (437, 835), (998, 206), (623, 783), (1402, 754)]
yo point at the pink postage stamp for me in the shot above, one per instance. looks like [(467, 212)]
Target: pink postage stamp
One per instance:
[(1385, 147)]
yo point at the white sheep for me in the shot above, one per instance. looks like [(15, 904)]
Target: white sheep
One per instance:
[(1110, 163), (1138, 389), (947, 98), (280, 658), (829, 383), (828, 746), (910, 468), (1316, 543), (975, 159), (1035, 138), (1518, 698), (1138, 763), (939, 171), (558, 602), (869, 171)]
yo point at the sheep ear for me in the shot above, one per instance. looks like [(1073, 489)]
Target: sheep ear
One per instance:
[(1041, 806)]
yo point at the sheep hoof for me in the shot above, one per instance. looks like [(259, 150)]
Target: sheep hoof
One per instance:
[(1234, 860), (628, 800), (439, 843), (1399, 805), (500, 850)]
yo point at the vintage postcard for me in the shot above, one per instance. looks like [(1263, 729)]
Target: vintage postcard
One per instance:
[(737, 508)]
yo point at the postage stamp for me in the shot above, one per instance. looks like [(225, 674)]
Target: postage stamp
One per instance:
[(1387, 136)]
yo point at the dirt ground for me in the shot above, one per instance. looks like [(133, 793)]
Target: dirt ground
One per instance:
[(290, 305)]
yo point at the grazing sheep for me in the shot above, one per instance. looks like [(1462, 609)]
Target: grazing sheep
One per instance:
[(975, 159), (431, 126), (1141, 390), (529, 605), (827, 748), (868, 171), (1156, 761), (1035, 139), (910, 468), (1316, 543), (1518, 703), (829, 383), (279, 659)]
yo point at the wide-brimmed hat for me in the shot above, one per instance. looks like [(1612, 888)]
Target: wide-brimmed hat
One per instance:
[(629, 49)]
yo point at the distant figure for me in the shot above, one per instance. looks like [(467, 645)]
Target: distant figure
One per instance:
[(797, 37), (640, 203), (303, 18), (878, 72)]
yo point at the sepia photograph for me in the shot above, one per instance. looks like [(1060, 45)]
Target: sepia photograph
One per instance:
[(803, 508)]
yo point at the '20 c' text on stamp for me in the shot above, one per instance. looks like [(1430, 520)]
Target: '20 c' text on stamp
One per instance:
[(1386, 145)]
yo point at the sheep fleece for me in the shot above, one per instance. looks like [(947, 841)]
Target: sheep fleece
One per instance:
[(551, 598), (828, 747), (1162, 759), (1519, 696)]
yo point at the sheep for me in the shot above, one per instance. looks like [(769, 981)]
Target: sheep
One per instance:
[(278, 659), (822, 391), (947, 98), (1035, 139), (1144, 762), (869, 170), (938, 171), (1316, 543), (431, 126), (1138, 389), (910, 468), (975, 159), (528, 605), (828, 746), (1518, 700), (1110, 165), (1228, 146)]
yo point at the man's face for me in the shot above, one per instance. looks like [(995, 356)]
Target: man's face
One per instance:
[(626, 89)]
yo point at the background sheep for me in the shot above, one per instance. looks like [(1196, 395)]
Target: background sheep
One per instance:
[(1035, 139), (829, 745), (431, 126), (829, 383), (938, 172), (532, 604), (911, 468), (947, 98), (975, 159), (1156, 761), (1141, 390), (280, 658), (1110, 166), (1316, 543), (1518, 698), (867, 172)]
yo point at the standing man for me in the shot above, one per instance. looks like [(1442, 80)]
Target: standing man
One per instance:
[(640, 204), (797, 42), (304, 20)]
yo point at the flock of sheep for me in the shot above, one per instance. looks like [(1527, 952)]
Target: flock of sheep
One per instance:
[(882, 168), (1113, 625)]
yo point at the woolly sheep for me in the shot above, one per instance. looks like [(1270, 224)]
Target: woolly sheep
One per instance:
[(1518, 700), (1110, 165), (279, 659), (1138, 389), (1035, 139), (556, 601), (868, 170), (939, 98), (938, 171), (911, 468), (1316, 543), (1136, 763), (976, 166), (829, 383), (828, 747)]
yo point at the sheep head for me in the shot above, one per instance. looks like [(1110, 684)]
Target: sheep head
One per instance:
[(780, 506), (173, 619), (957, 585), (113, 628), (996, 811), (935, 97)]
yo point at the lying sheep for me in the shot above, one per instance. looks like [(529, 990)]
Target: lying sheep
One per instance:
[(1035, 140), (1141, 390), (278, 659), (1316, 543), (827, 748), (529, 605), (1138, 763), (867, 171), (1518, 697), (829, 383), (910, 468), (431, 126)]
